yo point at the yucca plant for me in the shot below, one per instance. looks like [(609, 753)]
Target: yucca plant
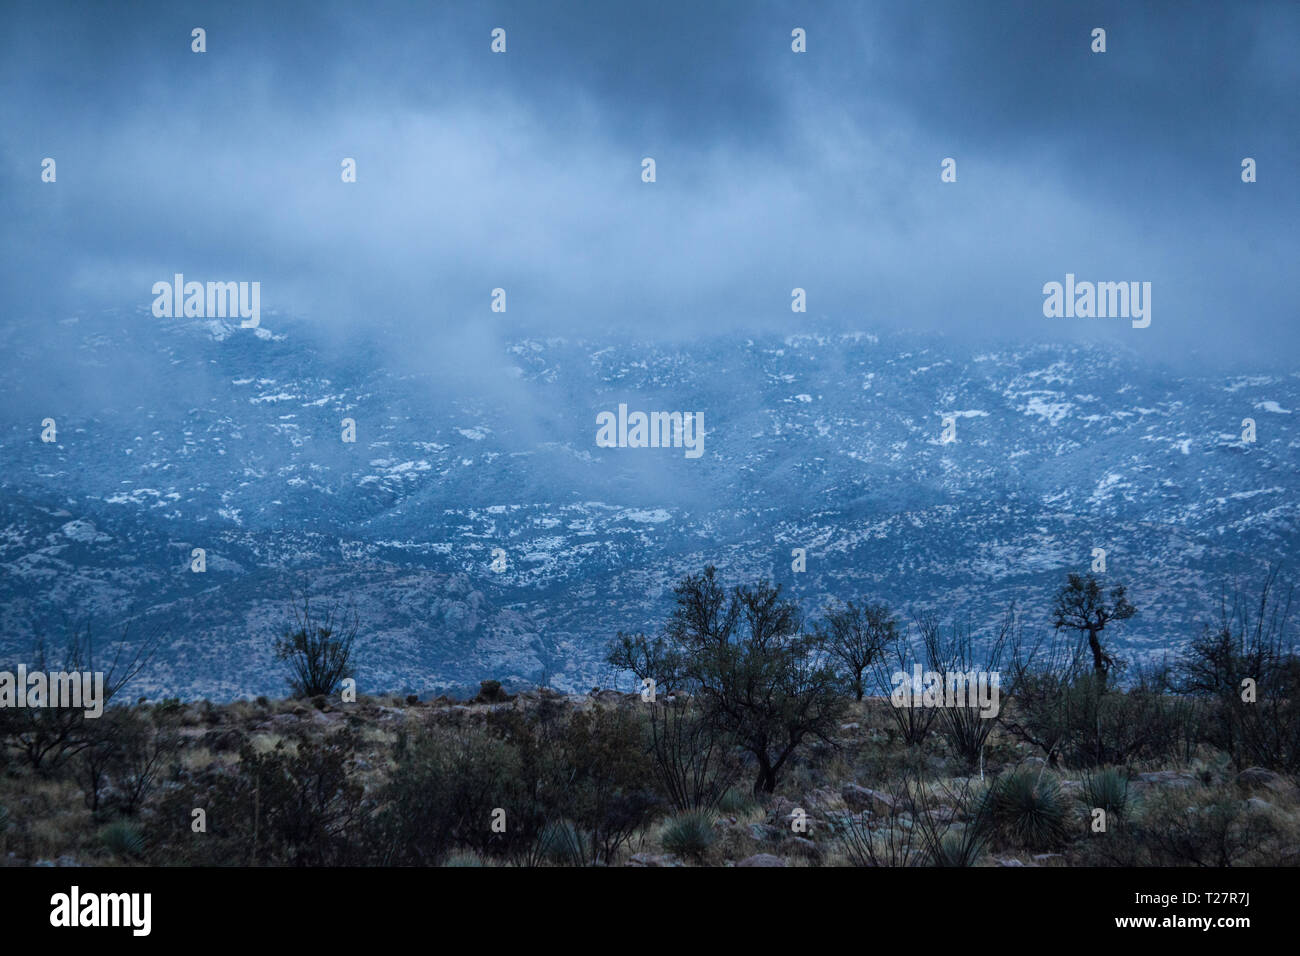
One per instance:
[(1026, 807), (689, 834), (960, 848), (1107, 789), (122, 839)]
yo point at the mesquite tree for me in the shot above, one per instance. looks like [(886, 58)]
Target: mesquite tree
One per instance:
[(1082, 606), (758, 675)]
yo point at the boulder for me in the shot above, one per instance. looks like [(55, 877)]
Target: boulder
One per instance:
[(1257, 778), (783, 816), (763, 833), (762, 859), (821, 798), (942, 814), (1176, 779), (860, 798)]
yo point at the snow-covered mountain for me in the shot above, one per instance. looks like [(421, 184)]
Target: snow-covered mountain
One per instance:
[(182, 434)]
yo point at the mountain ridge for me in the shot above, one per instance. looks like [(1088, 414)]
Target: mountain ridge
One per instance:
[(230, 440)]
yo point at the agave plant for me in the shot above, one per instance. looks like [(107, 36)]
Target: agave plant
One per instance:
[(1027, 808)]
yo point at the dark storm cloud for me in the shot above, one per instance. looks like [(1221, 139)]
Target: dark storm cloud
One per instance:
[(775, 170)]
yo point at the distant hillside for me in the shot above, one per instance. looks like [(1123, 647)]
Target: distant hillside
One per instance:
[(229, 440)]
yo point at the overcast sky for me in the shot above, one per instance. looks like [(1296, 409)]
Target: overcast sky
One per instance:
[(775, 170)]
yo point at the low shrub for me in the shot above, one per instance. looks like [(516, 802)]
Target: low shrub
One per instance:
[(689, 834)]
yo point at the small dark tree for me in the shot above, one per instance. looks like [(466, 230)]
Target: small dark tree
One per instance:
[(47, 736), (1082, 606), (1252, 640), (318, 648), (856, 635), (649, 658), (299, 804), (606, 790), (757, 674), (90, 767), (441, 795), (141, 752), (121, 767), (305, 806)]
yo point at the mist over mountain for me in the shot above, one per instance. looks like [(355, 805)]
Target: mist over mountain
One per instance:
[(230, 440), (929, 431), (522, 169)]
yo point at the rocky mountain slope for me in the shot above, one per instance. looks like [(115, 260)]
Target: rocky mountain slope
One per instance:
[(175, 434)]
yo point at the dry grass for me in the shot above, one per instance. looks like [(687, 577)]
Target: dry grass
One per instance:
[(49, 818)]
